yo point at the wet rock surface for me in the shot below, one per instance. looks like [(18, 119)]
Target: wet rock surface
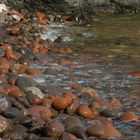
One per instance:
[(51, 90)]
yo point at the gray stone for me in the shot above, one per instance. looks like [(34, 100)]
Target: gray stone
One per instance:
[(35, 91)]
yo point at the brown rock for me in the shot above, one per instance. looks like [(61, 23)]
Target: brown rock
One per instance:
[(95, 130), (73, 107), (4, 125), (85, 111), (54, 128), (60, 103), (33, 71), (130, 116), (35, 112), (111, 132), (90, 91), (104, 121), (72, 121)]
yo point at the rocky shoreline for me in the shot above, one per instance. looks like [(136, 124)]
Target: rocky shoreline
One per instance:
[(34, 111)]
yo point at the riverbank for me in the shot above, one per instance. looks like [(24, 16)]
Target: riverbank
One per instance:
[(64, 81)]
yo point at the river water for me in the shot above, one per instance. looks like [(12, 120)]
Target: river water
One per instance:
[(104, 53)]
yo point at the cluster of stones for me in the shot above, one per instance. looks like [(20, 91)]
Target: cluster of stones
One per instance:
[(27, 112)]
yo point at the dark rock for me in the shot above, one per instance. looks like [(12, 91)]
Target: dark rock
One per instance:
[(72, 121), (78, 131), (18, 133), (13, 112), (54, 128), (2, 52), (5, 102), (113, 113), (24, 82), (26, 53)]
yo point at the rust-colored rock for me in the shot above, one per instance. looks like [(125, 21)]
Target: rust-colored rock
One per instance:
[(135, 74), (111, 132), (47, 102), (35, 112), (85, 111), (16, 93), (4, 63), (35, 100), (40, 15), (60, 103), (95, 130), (69, 96), (33, 71), (130, 116), (104, 121), (22, 68)]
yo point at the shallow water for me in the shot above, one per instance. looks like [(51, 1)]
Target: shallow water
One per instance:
[(104, 54)]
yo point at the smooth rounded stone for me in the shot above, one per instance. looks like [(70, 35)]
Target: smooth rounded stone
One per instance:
[(73, 107), (35, 91), (95, 129), (111, 132), (24, 82), (103, 120), (5, 102), (13, 112), (2, 52), (72, 121), (85, 112), (87, 97), (27, 53), (33, 71), (39, 112), (60, 103), (5, 125), (130, 116), (78, 131), (111, 113), (54, 128), (18, 133)]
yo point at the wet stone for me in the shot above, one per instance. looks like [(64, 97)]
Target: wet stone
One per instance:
[(95, 129), (27, 53), (72, 121), (54, 128), (113, 113), (13, 112), (19, 132), (35, 91), (78, 131), (24, 82), (5, 102), (2, 52), (87, 97)]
